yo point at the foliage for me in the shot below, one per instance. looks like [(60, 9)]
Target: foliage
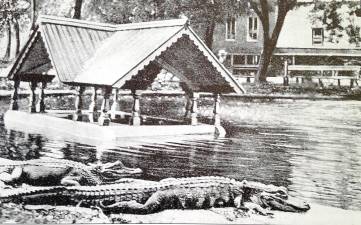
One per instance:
[(203, 14), (338, 19), (62, 8), (110, 11), (13, 15), (11, 10)]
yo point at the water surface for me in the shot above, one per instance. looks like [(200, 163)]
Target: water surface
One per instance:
[(311, 147)]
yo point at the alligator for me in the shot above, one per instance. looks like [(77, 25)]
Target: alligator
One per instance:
[(143, 197), (53, 172)]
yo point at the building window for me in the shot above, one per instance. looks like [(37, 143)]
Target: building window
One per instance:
[(317, 36), (231, 28), (239, 60), (252, 34), (252, 59)]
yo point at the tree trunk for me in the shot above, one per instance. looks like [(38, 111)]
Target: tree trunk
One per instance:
[(77, 9), (8, 47), (17, 36), (269, 45), (264, 62), (33, 14), (208, 36), (269, 42)]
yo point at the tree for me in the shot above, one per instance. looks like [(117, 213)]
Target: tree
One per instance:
[(12, 12), (109, 11), (6, 17), (263, 9), (338, 18), (203, 14), (77, 9), (340, 21), (33, 8), (327, 14)]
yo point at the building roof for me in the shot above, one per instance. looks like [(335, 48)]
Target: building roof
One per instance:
[(123, 56)]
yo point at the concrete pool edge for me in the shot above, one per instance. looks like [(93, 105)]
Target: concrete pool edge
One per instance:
[(318, 214)]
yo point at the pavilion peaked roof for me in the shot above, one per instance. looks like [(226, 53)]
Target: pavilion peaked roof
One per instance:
[(124, 52), (124, 56)]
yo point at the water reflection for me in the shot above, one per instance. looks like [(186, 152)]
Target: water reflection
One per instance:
[(311, 147), (18, 145)]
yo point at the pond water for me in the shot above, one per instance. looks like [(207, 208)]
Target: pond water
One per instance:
[(311, 147)]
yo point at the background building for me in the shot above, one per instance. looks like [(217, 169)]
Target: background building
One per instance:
[(305, 47)]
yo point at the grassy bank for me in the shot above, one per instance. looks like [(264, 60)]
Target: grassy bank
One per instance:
[(269, 89)]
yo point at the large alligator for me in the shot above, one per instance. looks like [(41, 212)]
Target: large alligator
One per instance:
[(48, 172), (144, 197)]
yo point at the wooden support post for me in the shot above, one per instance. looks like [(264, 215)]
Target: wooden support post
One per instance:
[(320, 82), (285, 68), (188, 107), (194, 109), (32, 106), (79, 104), (285, 81), (115, 105), (293, 60), (40, 107), (351, 83), (285, 75), (14, 97), (93, 109), (104, 118), (135, 109), (297, 81), (339, 82), (216, 110)]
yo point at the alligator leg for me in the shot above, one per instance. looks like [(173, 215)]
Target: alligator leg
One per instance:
[(15, 174), (110, 165), (132, 207), (238, 202), (152, 205), (79, 203), (257, 208), (3, 185), (69, 181)]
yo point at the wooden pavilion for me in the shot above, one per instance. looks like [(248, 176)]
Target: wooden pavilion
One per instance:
[(112, 57)]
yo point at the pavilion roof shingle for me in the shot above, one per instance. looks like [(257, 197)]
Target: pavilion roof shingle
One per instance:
[(123, 51), (71, 46)]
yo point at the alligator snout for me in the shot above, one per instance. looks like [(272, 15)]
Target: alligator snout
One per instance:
[(125, 172), (288, 205)]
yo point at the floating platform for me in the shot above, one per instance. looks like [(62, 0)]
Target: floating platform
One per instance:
[(51, 124)]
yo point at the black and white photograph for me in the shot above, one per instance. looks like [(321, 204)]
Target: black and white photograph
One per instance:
[(180, 112)]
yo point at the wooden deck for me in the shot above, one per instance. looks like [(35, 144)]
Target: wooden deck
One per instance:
[(52, 125)]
